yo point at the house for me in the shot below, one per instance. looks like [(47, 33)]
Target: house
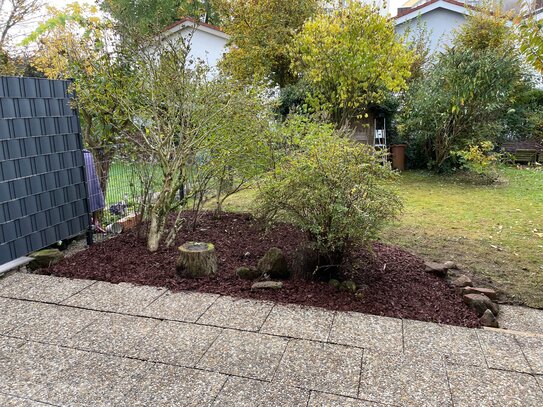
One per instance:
[(439, 17), (207, 42), (442, 17)]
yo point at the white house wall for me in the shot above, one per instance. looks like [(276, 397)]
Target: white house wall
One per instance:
[(204, 46), (440, 25)]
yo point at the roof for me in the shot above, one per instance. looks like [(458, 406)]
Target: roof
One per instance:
[(188, 22), (452, 5)]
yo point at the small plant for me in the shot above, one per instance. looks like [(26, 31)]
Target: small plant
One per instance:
[(480, 161), (333, 188)]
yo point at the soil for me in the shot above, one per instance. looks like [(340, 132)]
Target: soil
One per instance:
[(393, 282)]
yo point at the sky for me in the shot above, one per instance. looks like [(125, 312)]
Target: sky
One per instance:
[(394, 4), (27, 28)]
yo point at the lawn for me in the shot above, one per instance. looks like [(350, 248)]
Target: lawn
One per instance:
[(495, 232)]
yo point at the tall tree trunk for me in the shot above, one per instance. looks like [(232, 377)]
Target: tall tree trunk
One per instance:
[(159, 212), (103, 164), (155, 231)]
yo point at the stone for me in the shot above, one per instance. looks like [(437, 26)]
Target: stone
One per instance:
[(490, 293), (272, 285), (334, 283), (462, 281), (437, 269), (359, 294), (489, 319), (348, 285), (274, 264), (449, 265), (247, 273), (480, 303), (45, 258)]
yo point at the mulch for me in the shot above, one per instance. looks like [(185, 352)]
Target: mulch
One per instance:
[(394, 281)]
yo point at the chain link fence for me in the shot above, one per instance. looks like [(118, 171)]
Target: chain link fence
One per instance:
[(120, 187)]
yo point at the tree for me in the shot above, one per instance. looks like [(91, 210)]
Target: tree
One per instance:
[(463, 96), (150, 16), (187, 126), (14, 13), (531, 35), (351, 58), (260, 34), (332, 187), (242, 148), (75, 43)]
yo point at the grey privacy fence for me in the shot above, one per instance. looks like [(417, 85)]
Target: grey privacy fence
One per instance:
[(43, 197)]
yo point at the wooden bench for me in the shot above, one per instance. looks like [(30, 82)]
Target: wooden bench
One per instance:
[(526, 156)]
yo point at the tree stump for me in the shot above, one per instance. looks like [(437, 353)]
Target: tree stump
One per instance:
[(196, 260)]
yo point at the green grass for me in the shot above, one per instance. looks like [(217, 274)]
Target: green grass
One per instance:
[(494, 231), (124, 185)]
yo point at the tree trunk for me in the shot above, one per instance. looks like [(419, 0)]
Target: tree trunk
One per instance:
[(159, 212), (155, 232), (103, 163), (196, 260)]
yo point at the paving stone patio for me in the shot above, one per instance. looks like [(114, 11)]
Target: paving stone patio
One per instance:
[(83, 343)]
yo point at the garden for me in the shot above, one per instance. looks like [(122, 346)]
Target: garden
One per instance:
[(248, 179)]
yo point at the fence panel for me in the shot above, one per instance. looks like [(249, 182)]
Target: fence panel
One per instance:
[(43, 196)]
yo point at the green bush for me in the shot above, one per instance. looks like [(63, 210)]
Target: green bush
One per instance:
[(480, 162), (334, 189)]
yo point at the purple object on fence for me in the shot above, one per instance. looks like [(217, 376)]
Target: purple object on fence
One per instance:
[(96, 196)]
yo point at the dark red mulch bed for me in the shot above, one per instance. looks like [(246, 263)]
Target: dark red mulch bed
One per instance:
[(401, 289)]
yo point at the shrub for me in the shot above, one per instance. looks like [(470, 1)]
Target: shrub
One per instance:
[(333, 188), (480, 161), (464, 95)]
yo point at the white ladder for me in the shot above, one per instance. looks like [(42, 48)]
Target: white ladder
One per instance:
[(380, 138)]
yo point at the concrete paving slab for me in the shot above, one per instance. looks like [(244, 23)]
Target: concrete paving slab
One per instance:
[(367, 331), (182, 306), (502, 351), (176, 343), (93, 380), (113, 334), (456, 344), (532, 347), (404, 380), (14, 313), (37, 287), (30, 368), (8, 345), (331, 400), (276, 369), (164, 385), (246, 354), (51, 323), (321, 366), (299, 322), (240, 392), (479, 387), (123, 297), (10, 401), (522, 319), (237, 313)]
